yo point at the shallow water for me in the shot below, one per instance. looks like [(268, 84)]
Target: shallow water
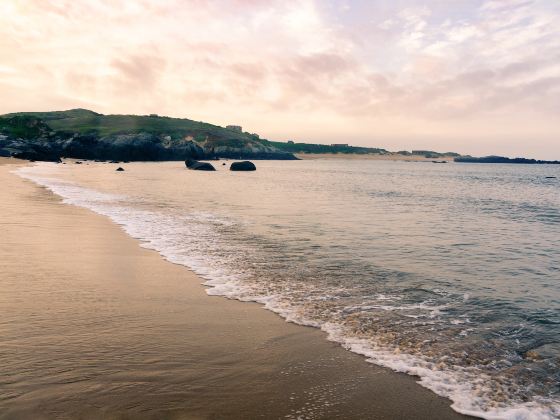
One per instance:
[(449, 272)]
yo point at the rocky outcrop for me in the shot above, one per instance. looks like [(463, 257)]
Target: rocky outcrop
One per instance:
[(84, 134), (243, 166), (195, 165), (246, 149), (124, 147), (550, 351), (119, 169), (44, 155), (501, 159)]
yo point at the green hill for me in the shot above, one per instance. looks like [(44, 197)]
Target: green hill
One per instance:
[(86, 134), (83, 121), (324, 148)]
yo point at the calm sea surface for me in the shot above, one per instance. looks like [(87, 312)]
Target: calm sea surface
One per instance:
[(449, 272)]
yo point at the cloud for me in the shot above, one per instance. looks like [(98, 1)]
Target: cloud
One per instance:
[(327, 68)]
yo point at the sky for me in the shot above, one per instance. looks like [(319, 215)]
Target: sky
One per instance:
[(477, 77)]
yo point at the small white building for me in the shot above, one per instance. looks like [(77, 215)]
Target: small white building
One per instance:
[(234, 128)]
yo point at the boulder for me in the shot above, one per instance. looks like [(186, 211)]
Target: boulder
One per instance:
[(119, 169), (195, 165), (243, 166), (544, 352), (33, 155)]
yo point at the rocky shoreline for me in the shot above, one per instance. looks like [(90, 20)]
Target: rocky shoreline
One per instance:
[(26, 136)]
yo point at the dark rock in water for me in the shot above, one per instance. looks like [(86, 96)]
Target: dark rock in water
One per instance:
[(119, 169), (195, 165), (114, 161), (78, 163), (243, 166), (550, 177)]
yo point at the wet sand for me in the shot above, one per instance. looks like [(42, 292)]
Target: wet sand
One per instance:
[(94, 327)]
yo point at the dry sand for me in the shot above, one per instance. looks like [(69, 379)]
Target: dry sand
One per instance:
[(95, 327)]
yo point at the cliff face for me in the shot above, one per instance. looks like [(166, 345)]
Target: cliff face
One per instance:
[(85, 134)]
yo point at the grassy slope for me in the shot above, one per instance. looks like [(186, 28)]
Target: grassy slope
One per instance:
[(83, 121), (322, 148)]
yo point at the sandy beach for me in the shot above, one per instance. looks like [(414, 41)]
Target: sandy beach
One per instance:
[(94, 326)]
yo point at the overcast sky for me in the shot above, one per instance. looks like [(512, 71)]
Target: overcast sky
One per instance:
[(473, 76)]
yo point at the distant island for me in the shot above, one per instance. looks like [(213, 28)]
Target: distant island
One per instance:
[(501, 159), (85, 134)]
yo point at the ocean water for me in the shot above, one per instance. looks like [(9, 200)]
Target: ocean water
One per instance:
[(447, 272)]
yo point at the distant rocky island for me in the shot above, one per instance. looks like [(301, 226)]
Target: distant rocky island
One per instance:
[(501, 159), (85, 134)]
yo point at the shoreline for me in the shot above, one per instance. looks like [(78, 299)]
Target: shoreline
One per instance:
[(118, 331)]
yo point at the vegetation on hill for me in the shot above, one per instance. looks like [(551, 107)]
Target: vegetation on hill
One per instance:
[(85, 134), (22, 126), (83, 121), (323, 148)]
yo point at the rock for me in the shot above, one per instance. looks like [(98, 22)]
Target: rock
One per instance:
[(119, 169), (78, 163), (243, 166), (33, 155), (546, 351), (224, 164), (195, 165)]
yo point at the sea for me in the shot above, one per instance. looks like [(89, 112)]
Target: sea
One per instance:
[(448, 272)]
